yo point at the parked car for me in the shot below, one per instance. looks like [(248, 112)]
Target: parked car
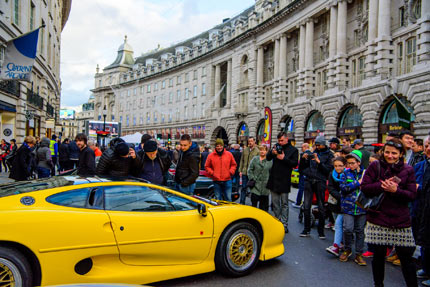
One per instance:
[(204, 184), (70, 230)]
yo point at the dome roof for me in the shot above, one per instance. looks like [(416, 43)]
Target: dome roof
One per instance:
[(125, 46), (124, 57)]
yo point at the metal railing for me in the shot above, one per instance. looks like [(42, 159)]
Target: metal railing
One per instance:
[(50, 110), (11, 87), (34, 99)]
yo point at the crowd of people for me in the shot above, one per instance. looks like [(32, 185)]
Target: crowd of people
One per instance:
[(334, 176)]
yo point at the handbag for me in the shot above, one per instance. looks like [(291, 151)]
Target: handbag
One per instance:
[(250, 183), (370, 203)]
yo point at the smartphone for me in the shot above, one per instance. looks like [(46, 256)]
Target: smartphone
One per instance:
[(396, 179)]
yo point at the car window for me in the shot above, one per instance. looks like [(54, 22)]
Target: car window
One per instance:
[(71, 198), (135, 198), (179, 203)]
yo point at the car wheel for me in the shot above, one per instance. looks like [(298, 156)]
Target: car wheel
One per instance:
[(14, 269), (238, 250)]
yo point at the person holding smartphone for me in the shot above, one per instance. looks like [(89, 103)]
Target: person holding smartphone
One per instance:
[(390, 224)]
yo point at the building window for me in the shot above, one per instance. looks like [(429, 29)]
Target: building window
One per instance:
[(148, 117), (170, 115), (186, 94), (134, 91), (163, 84), (170, 97), (155, 117), (171, 82), (134, 121), (112, 118), (185, 113), (203, 71), (202, 112), (16, 12), (148, 102), (120, 119), (141, 121), (402, 17), (203, 89), (32, 11), (195, 92), (361, 67), (148, 88), (194, 111), (177, 114), (417, 9), (187, 77), (100, 117), (411, 54), (128, 121), (400, 58), (178, 95), (155, 86), (195, 75), (178, 80)]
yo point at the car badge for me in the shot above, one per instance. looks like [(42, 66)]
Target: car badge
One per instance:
[(28, 200)]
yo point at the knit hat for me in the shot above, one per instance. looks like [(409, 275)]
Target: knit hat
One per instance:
[(357, 141), (219, 142), (145, 138), (150, 146), (122, 149), (320, 140), (355, 154), (334, 140)]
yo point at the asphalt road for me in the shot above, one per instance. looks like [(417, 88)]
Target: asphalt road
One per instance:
[(305, 263)]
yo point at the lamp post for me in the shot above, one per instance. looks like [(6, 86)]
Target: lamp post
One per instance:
[(104, 124)]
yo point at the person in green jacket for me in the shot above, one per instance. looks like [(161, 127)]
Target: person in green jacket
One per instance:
[(258, 171)]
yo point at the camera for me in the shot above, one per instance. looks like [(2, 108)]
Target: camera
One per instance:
[(278, 148)]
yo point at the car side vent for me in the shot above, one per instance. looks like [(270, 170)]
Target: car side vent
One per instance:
[(84, 266)]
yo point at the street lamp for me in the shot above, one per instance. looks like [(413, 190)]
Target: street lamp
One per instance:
[(104, 125)]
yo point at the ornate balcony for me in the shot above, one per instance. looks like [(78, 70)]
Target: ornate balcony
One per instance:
[(11, 87), (34, 99)]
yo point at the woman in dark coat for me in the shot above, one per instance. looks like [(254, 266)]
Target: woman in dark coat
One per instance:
[(390, 224), (22, 161)]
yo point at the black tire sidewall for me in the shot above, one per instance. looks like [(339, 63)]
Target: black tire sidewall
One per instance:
[(21, 263), (221, 261)]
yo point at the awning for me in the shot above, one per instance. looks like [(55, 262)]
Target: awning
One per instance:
[(7, 107)]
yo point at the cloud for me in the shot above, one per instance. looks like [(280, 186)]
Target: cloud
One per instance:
[(96, 29)]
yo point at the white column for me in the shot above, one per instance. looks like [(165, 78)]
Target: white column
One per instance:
[(341, 28), (283, 57), (333, 32), (373, 20), (384, 16), (309, 50), (217, 86), (423, 33), (276, 60), (260, 66), (302, 45), (229, 73)]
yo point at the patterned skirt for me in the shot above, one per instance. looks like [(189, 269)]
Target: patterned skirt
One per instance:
[(380, 235)]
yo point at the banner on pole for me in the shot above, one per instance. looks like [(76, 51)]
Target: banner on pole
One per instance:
[(267, 140), (19, 57)]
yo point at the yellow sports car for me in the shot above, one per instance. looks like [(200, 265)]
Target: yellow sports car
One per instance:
[(67, 229), (295, 177)]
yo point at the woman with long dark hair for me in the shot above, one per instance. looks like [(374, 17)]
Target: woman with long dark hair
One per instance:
[(390, 223)]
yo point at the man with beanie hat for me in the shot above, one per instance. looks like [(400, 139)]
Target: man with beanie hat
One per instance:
[(154, 164), (354, 217), (143, 140), (316, 167), (221, 166), (118, 161)]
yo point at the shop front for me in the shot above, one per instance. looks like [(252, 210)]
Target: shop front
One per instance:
[(287, 126), (7, 121), (350, 123), (243, 134), (389, 120), (314, 127)]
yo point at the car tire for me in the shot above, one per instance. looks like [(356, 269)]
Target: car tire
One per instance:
[(15, 267), (238, 250)]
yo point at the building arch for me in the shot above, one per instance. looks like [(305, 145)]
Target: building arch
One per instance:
[(315, 125), (350, 122), (260, 131), (287, 125), (220, 133), (242, 133)]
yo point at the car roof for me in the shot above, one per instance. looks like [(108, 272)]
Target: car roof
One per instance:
[(20, 187)]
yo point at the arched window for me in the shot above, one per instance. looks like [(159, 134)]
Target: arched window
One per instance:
[(315, 122), (260, 132), (351, 118), (390, 115)]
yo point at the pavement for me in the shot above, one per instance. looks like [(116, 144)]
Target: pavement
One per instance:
[(4, 177)]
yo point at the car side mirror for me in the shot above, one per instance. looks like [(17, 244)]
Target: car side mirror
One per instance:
[(202, 210)]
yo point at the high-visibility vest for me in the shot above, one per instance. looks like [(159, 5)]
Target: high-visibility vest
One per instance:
[(52, 147)]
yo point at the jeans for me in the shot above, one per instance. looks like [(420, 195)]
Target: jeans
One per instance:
[(280, 207), (405, 256), (317, 187), (189, 190), (262, 199), (354, 224), (338, 229), (244, 189), (43, 172), (235, 181), (223, 190), (300, 190)]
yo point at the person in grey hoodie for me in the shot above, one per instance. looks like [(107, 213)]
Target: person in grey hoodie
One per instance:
[(43, 159)]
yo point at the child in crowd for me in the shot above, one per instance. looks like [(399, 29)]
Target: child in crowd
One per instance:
[(354, 217), (334, 203)]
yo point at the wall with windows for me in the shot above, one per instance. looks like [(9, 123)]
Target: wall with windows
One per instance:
[(297, 57)]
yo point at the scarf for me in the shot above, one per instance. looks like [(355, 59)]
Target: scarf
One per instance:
[(336, 176), (219, 153)]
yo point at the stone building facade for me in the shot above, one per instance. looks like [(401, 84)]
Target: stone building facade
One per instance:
[(323, 67), (33, 108)]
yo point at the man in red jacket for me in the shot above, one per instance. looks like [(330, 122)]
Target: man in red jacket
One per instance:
[(221, 166)]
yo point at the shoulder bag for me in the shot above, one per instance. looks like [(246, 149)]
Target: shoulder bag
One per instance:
[(370, 203)]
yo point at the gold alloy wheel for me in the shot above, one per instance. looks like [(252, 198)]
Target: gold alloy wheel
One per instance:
[(242, 249), (9, 274)]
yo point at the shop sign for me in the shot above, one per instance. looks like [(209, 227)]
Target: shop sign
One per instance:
[(349, 131)]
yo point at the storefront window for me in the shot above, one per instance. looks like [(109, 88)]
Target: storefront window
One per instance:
[(315, 122), (260, 132), (243, 134), (390, 119), (351, 118)]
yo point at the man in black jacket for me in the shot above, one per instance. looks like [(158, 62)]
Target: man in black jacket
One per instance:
[(285, 158), (187, 169), (154, 163), (21, 164), (119, 160), (87, 160), (237, 154), (316, 167), (64, 155)]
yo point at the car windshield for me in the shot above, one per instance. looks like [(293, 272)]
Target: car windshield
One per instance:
[(37, 184)]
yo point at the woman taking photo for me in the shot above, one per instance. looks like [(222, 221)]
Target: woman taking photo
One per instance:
[(390, 223), (258, 171)]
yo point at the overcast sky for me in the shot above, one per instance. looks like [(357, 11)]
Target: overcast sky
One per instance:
[(96, 29)]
